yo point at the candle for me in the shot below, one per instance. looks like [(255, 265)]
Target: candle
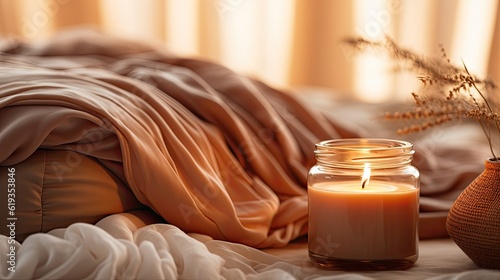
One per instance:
[(363, 205), (378, 222)]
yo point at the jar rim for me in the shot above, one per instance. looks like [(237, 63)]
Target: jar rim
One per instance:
[(364, 144), (378, 152)]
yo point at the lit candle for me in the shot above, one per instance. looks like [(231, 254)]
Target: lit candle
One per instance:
[(378, 221), (371, 219)]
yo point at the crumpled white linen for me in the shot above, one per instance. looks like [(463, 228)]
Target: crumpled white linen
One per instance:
[(119, 247), (122, 247), (157, 251)]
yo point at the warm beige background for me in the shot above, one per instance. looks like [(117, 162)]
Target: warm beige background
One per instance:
[(284, 42)]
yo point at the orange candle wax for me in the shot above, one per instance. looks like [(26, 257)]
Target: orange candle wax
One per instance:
[(377, 222)]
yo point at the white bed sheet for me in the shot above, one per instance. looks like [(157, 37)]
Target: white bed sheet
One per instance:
[(438, 259), (121, 246)]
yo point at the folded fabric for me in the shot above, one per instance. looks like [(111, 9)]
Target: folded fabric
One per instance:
[(209, 150)]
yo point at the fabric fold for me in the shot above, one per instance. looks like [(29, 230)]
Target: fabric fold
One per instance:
[(210, 151)]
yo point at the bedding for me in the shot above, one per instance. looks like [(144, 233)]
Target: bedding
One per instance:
[(169, 167), (55, 188)]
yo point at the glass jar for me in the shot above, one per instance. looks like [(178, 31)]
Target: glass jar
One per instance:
[(363, 205)]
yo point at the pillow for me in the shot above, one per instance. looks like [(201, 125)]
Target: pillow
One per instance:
[(54, 189)]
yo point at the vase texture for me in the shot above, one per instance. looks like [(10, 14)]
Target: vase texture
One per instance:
[(474, 219)]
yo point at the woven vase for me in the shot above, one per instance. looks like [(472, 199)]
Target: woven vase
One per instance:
[(474, 219)]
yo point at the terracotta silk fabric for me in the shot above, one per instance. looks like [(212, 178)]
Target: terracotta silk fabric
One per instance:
[(210, 151)]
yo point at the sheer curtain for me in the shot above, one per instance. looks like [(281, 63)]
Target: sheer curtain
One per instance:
[(287, 43)]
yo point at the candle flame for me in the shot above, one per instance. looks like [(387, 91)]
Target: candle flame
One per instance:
[(366, 176)]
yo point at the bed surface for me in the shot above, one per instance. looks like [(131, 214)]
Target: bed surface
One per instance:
[(217, 155), (132, 246), (438, 259)]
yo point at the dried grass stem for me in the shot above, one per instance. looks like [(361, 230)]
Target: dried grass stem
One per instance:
[(448, 92)]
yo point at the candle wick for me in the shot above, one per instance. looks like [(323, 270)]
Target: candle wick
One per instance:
[(364, 183)]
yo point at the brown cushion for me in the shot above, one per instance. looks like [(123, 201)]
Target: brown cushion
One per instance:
[(54, 189)]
